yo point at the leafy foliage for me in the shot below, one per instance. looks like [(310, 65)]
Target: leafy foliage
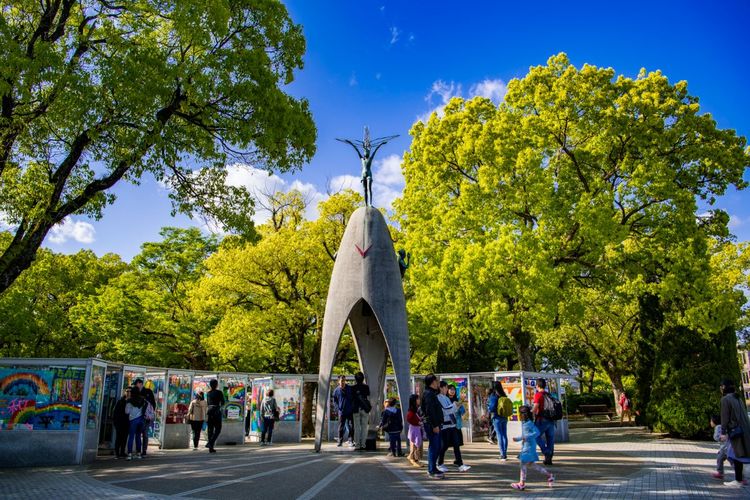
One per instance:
[(93, 93)]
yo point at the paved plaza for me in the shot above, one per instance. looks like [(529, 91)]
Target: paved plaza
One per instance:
[(598, 463)]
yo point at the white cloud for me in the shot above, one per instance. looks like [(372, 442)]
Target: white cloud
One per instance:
[(439, 96), (442, 92), (388, 171), (395, 32), (70, 229), (493, 90), (736, 221), (411, 37), (353, 79), (341, 182)]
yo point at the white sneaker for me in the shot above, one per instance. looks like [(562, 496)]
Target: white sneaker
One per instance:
[(735, 484), (129, 457), (464, 468), (442, 468)]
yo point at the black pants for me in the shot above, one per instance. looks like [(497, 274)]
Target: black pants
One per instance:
[(214, 429), (738, 470), (144, 437), (196, 426), (121, 438), (449, 437), (345, 420), (248, 418), (265, 436)]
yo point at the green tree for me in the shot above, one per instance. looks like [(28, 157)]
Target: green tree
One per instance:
[(506, 208), (146, 315), (35, 311), (93, 93), (270, 295)]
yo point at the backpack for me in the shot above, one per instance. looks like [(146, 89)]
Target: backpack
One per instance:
[(504, 407), (364, 403), (148, 413), (552, 408)]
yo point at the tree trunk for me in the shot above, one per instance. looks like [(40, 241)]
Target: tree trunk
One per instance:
[(615, 380), (522, 346), (592, 374), (308, 396)]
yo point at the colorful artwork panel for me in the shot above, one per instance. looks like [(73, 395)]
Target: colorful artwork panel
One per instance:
[(462, 391), (178, 398), (514, 391), (288, 392), (96, 388), (480, 387)]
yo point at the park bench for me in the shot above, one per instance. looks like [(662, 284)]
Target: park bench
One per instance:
[(590, 411)]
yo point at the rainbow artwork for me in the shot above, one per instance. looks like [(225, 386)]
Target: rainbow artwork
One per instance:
[(236, 393), (24, 383)]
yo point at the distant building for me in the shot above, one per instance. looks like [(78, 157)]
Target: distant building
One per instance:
[(745, 369)]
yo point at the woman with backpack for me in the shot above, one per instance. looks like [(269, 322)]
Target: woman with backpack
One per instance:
[(500, 408), (270, 412)]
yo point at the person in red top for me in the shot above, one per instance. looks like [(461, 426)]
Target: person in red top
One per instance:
[(545, 425), (624, 403), (415, 430)]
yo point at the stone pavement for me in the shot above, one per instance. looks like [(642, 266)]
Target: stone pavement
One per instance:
[(598, 463)]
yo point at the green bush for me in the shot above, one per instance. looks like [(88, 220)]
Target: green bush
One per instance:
[(685, 388)]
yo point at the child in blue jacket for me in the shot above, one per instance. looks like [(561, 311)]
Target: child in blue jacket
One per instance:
[(392, 423), (528, 455)]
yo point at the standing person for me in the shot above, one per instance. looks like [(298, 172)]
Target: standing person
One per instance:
[(196, 416), (361, 408), (342, 396), (248, 414), (625, 407), (432, 412), (544, 422), (449, 433), (528, 454), (415, 430), (500, 408), (148, 395), (392, 423), (122, 424), (491, 432), (270, 412), (721, 454), (215, 401), (134, 407), (735, 428)]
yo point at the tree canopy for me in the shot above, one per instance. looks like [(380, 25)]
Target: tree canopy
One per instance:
[(93, 93)]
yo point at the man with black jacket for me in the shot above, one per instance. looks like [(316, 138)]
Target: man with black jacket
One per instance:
[(433, 419), (148, 395), (215, 400)]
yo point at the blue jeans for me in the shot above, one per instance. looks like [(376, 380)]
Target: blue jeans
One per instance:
[(433, 450), (546, 437), (135, 431), (501, 431), (394, 439)]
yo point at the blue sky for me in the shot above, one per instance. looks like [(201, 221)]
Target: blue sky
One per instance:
[(385, 64)]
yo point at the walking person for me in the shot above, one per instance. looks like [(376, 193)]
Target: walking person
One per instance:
[(432, 412), (721, 453), (148, 423), (122, 424), (500, 408), (543, 419), (361, 408), (270, 412), (196, 416), (342, 396), (134, 408), (529, 456), (415, 430), (449, 433), (215, 401), (625, 408), (735, 428), (392, 423)]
